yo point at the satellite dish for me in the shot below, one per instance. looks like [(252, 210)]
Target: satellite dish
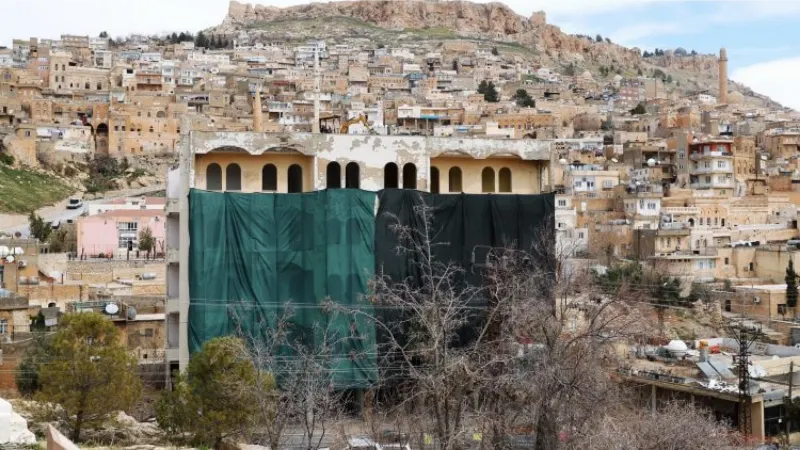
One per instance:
[(614, 160), (563, 161), (10, 259), (111, 309), (4, 251), (131, 313), (651, 162)]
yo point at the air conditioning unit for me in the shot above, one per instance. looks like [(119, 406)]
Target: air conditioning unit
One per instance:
[(756, 300)]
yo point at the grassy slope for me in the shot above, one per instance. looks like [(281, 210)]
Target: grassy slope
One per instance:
[(22, 191)]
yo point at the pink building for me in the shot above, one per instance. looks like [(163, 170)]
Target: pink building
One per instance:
[(110, 231)]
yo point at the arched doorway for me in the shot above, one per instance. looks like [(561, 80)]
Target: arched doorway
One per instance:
[(269, 178), (434, 180), (233, 177), (454, 179), (333, 176), (505, 179), (294, 177), (487, 180), (390, 176), (214, 177), (101, 139), (409, 176), (352, 176)]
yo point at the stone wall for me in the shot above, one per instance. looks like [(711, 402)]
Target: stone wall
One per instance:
[(107, 271)]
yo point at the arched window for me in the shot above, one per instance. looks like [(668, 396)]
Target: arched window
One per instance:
[(454, 179), (86, 85), (214, 177), (295, 179), (233, 177), (487, 179), (505, 179), (435, 180), (390, 176), (409, 176), (691, 223), (269, 178), (161, 114), (99, 85), (351, 176), (333, 175)]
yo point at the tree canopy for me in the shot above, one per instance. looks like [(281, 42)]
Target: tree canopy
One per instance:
[(89, 375), (39, 228), (523, 99), (489, 91), (210, 402), (791, 285)]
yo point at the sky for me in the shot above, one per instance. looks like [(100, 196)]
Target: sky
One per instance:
[(761, 36)]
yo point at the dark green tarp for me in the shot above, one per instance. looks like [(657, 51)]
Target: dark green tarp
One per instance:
[(462, 224), (251, 253)]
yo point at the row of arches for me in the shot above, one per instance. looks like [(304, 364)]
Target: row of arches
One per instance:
[(352, 178), (269, 178)]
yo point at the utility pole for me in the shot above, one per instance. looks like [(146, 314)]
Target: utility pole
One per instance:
[(315, 125), (744, 338), (787, 417)]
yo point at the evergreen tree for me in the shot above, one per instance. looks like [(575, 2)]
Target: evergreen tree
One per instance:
[(90, 374), (103, 35), (201, 40), (39, 228), (495, 52), (523, 99), (489, 92), (791, 285), (598, 38), (640, 109)]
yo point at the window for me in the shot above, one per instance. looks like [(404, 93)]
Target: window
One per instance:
[(721, 148), (726, 261), (641, 204), (86, 85), (390, 176), (706, 164), (607, 184), (409, 176), (214, 177), (454, 179), (505, 179), (294, 182), (233, 177), (99, 85), (434, 180), (351, 176), (487, 179), (580, 235), (4, 326), (720, 164), (651, 206), (562, 202), (708, 179), (269, 178)]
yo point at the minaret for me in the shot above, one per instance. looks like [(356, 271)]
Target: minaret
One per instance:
[(723, 76), (257, 120)]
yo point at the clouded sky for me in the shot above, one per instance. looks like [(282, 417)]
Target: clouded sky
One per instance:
[(762, 36)]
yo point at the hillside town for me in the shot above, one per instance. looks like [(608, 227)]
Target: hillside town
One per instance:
[(673, 188)]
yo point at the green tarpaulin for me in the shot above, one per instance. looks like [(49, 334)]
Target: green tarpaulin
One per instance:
[(251, 253)]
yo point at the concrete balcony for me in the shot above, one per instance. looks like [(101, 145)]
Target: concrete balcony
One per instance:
[(173, 206), (172, 305), (712, 185), (710, 154), (172, 354), (173, 256)]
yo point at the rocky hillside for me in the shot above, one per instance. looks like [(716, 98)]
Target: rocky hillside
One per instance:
[(531, 38)]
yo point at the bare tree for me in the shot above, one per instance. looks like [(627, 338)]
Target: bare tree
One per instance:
[(305, 395)]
